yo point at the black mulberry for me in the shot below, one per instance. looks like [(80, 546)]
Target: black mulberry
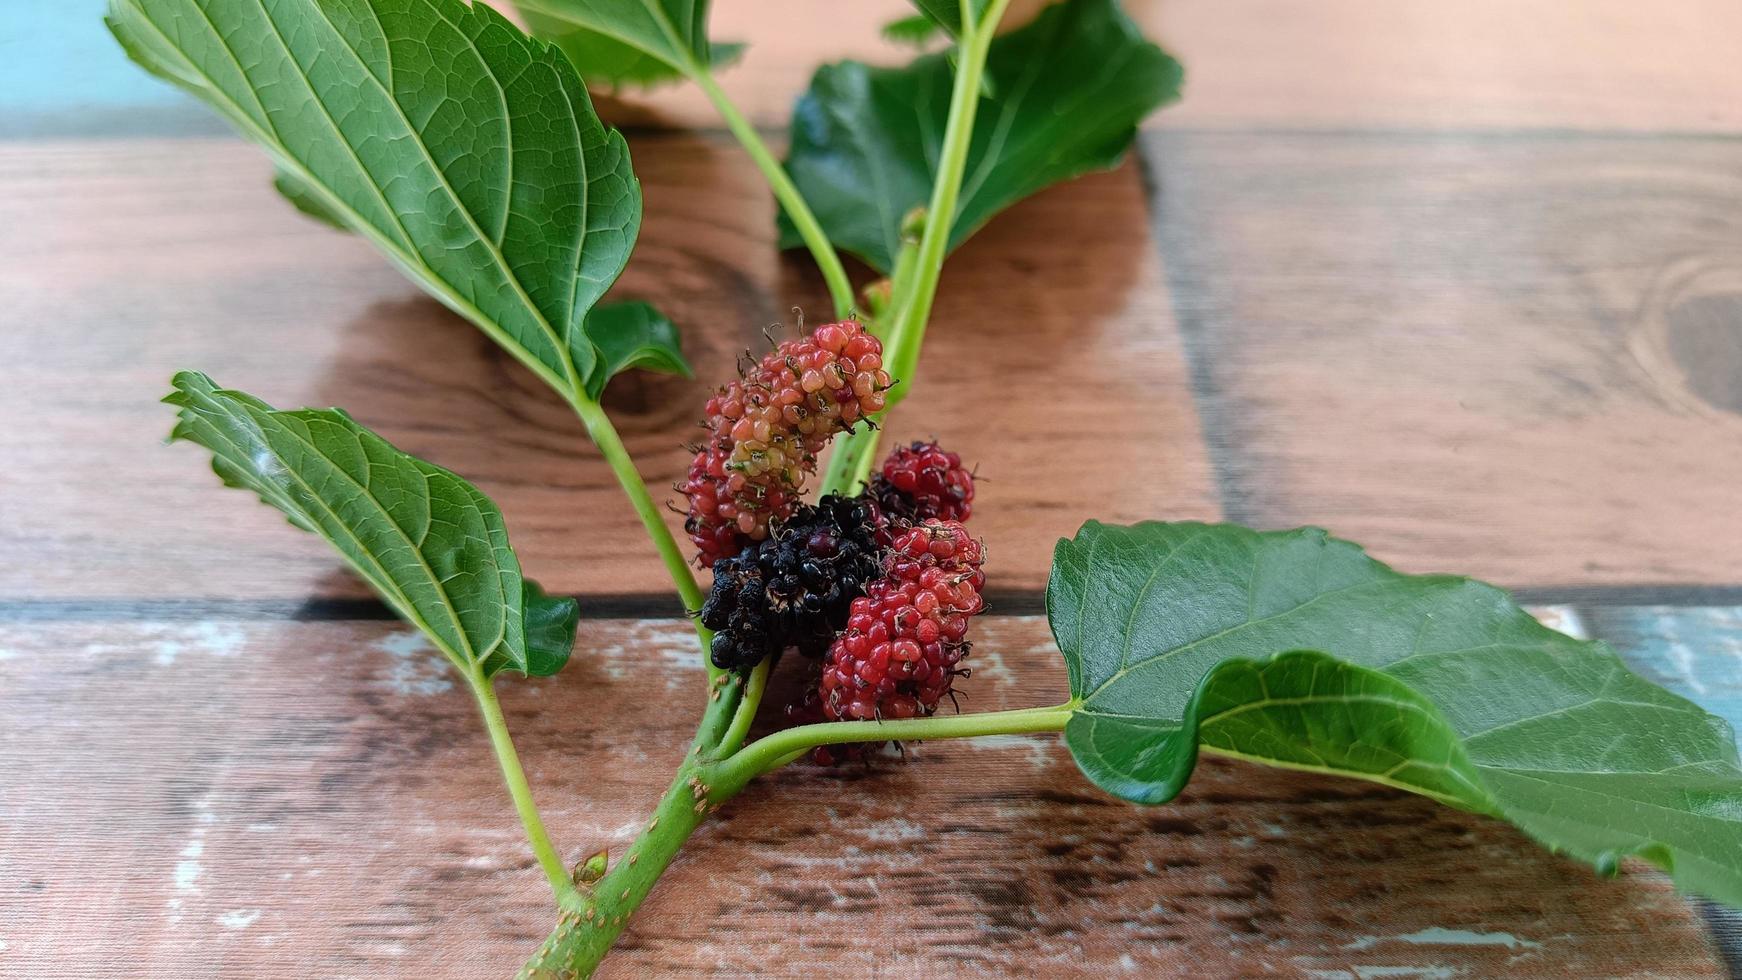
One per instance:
[(796, 588)]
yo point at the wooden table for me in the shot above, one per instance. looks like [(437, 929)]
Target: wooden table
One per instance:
[(1460, 281)]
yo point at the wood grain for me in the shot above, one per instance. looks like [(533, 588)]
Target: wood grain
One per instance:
[(1516, 357), (142, 258), (1596, 64), (328, 807)]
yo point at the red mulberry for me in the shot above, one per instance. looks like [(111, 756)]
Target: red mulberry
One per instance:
[(922, 482), (905, 639), (765, 430)]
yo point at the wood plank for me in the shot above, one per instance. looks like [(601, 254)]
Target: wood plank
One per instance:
[(124, 261), (1596, 64), (1514, 357), (317, 799), (1603, 64)]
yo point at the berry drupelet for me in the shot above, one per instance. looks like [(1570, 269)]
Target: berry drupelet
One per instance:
[(765, 430), (921, 482), (795, 588), (905, 638)]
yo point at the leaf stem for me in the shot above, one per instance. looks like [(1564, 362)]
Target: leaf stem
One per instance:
[(589, 924), (747, 705), (915, 283), (775, 750), (844, 461), (583, 935), (901, 280), (604, 435), (785, 191), (484, 692), (909, 332)]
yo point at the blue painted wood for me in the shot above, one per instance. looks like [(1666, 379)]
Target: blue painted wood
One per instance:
[(1695, 652), (62, 74)]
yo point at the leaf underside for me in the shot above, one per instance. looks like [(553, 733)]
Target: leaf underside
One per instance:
[(633, 334), (306, 199), (1068, 92), (430, 543), (668, 33), (1296, 649), (916, 30), (605, 60), (947, 14), (467, 152)]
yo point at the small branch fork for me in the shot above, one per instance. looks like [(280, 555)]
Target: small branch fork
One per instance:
[(587, 927)]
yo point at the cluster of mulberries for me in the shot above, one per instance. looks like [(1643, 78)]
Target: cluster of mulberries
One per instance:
[(906, 637), (875, 590), (795, 588), (766, 429)]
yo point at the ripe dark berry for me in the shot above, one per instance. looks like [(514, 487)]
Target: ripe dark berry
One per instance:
[(905, 639), (796, 588), (766, 429), (922, 482)]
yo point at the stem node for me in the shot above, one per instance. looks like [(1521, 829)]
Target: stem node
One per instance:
[(591, 868)]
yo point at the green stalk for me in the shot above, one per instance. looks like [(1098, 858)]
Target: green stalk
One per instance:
[(787, 193), (591, 922), (775, 750), (583, 935), (587, 928), (699, 71), (901, 280), (725, 696), (851, 450), (604, 435), (548, 859), (747, 705), (851, 464), (941, 212)]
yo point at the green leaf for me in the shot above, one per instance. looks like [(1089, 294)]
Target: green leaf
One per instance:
[(916, 31), (464, 150), (306, 200), (633, 334), (1296, 649), (673, 33), (947, 14), (430, 543), (1068, 91), (604, 60), (1308, 710), (551, 622)]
